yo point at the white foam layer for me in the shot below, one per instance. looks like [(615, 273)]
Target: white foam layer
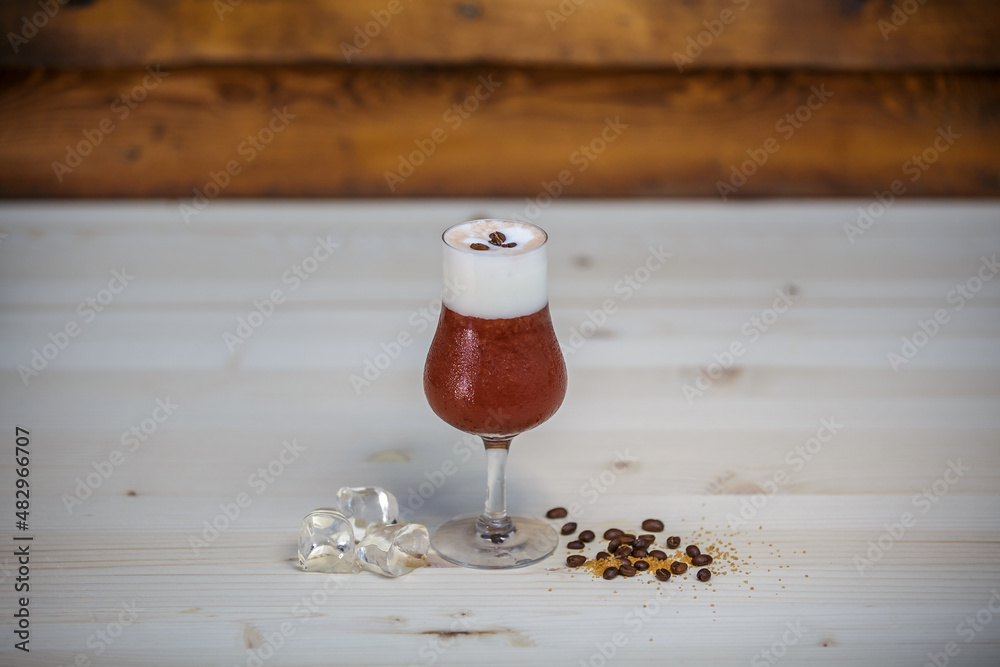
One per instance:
[(498, 282)]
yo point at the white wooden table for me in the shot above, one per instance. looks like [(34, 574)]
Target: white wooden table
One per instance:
[(125, 570)]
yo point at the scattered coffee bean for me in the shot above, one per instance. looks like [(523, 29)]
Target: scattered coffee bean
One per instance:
[(627, 538), (587, 536), (614, 544), (623, 550), (610, 573), (652, 525), (497, 238), (692, 550), (641, 543), (601, 555), (568, 529), (678, 567), (639, 553), (662, 574), (483, 246), (658, 555), (673, 542), (641, 565), (624, 560), (704, 574), (575, 544), (509, 245), (627, 571), (649, 538), (701, 559), (612, 533), (576, 560), (555, 512)]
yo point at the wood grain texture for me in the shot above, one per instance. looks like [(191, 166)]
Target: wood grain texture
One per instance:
[(349, 129), (695, 464), (829, 34)]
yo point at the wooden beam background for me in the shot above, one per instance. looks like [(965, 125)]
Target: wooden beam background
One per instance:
[(162, 95), (782, 34)]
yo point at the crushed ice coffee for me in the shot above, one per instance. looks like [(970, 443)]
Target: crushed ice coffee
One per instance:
[(494, 367)]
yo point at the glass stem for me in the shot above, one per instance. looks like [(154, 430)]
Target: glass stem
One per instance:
[(494, 524)]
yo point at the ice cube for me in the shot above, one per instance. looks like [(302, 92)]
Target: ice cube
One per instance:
[(367, 506), (326, 542), (394, 550)]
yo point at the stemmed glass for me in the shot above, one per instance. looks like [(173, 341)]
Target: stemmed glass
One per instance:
[(495, 370)]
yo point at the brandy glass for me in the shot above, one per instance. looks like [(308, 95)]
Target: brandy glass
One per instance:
[(495, 370)]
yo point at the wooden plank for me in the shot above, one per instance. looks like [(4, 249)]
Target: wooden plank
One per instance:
[(832, 34), (396, 132), (697, 467)]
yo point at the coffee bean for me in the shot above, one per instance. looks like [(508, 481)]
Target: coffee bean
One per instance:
[(627, 538), (509, 245), (624, 560), (576, 560), (657, 554), (701, 559), (678, 567), (612, 533), (555, 512), (673, 542), (662, 574), (692, 550), (482, 246), (614, 544), (623, 550), (587, 536), (704, 574), (610, 573), (649, 538), (641, 543), (601, 555), (652, 525), (627, 571), (568, 528), (497, 238), (575, 544), (639, 553), (641, 565)]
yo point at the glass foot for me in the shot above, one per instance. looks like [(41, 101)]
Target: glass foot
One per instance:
[(458, 541)]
